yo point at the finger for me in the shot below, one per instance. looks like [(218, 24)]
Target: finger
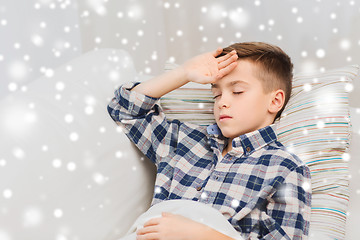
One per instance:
[(228, 61), (148, 236), (217, 51), (166, 214), (227, 56), (226, 70), (151, 222), (148, 229)]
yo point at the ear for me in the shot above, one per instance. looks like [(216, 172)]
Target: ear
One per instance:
[(277, 101)]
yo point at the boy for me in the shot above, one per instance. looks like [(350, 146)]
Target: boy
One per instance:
[(236, 165)]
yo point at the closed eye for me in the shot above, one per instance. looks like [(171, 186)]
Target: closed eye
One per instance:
[(237, 92), (216, 96)]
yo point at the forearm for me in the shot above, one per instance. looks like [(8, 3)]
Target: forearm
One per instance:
[(160, 85), (204, 69)]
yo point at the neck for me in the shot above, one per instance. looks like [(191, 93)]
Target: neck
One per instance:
[(228, 147)]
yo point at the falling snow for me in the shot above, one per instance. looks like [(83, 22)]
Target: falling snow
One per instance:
[(7, 193), (58, 213), (69, 157), (57, 163)]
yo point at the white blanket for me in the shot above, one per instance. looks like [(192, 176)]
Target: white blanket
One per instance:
[(196, 211)]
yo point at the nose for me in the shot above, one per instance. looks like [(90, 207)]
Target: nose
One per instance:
[(223, 102), (223, 105)]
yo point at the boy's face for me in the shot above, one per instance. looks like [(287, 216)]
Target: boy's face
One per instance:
[(241, 106)]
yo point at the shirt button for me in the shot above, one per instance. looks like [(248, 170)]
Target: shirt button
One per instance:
[(248, 149), (217, 177), (199, 188)]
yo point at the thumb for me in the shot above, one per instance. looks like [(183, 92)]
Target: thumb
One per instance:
[(166, 214), (217, 51)]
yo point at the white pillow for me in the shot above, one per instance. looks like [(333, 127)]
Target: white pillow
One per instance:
[(65, 163), (315, 125), (197, 211)]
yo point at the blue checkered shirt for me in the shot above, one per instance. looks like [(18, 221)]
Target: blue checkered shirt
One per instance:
[(263, 190)]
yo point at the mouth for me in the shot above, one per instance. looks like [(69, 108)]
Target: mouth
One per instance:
[(224, 117)]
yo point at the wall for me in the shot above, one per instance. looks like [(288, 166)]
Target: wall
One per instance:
[(36, 37)]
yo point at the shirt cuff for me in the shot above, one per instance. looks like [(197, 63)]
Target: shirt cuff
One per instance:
[(134, 102)]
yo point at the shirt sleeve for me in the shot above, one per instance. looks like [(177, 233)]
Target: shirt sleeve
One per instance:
[(144, 122), (287, 215)]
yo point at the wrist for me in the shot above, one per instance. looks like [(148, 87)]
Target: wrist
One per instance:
[(182, 74), (208, 233)]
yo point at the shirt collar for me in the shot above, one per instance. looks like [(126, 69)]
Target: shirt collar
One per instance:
[(248, 142)]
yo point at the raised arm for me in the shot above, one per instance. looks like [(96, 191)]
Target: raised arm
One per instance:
[(135, 105), (204, 69)]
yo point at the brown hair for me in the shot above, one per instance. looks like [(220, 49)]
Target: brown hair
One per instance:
[(274, 66)]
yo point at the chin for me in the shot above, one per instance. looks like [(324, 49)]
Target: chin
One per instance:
[(230, 135)]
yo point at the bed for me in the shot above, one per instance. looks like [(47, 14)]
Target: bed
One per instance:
[(66, 166)]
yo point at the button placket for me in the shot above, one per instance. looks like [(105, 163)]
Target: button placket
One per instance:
[(212, 187)]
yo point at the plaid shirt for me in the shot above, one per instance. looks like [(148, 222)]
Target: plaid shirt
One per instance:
[(261, 189)]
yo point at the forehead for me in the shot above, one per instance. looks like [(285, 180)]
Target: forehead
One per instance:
[(230, 84), (242, 75)]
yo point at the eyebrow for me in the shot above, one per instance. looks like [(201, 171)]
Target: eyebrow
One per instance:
[(214, 85)]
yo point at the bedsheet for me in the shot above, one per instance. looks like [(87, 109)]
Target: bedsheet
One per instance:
[(196, 211)]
